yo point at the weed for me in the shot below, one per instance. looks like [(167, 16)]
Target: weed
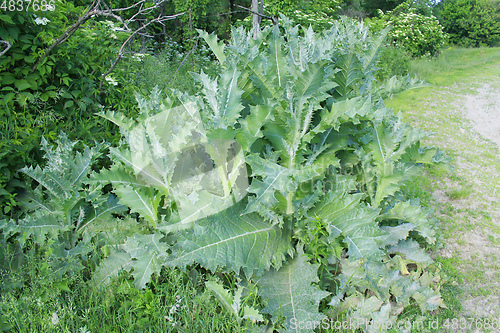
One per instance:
[(457, 194)]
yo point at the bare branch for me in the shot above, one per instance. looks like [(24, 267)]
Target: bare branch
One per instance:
[(187, 55), (94, 9), (272, 18), (9, 45), (108, 12), (120, 52), (134, 5)]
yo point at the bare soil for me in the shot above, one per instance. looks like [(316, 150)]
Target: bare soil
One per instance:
[(483, 109)]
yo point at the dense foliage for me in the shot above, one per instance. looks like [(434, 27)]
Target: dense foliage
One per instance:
[(324, 209), (43, 94), (418, 34), (471, 22), (274, 171)]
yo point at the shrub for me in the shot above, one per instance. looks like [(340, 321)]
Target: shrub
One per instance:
[(322, 229), (393, 61), (326, 160), (419, 35), (318, 14), (471, 22)]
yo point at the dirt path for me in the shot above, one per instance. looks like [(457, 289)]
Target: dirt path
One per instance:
[(465, 120), (481, 250), (483, 109)]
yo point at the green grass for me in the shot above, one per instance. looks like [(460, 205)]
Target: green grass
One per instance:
[(465, 208), (33, 300), (453, 64)]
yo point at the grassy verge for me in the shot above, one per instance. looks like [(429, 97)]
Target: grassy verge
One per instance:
[(466, 199), (32, 299)]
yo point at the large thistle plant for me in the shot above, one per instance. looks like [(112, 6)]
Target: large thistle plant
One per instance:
[(285, 170)]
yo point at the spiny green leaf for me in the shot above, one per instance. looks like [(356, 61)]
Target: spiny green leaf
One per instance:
[(411, 250), (116, 175), (140, 200), (312, 82), (394, 234), (252, 314), (58, 186), (217, 48), (111, 266), (289, 292), (350, 74), (147, 252), (103, 212), (345, 216), (230, 98), (232, 241), (222, 295), (405, 211), (36, 226), (276, 178), (142, 166)]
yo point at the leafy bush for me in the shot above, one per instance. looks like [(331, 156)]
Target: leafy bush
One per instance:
[(318, 14), (64, 214), (61, 93), (170, 68), (419, 35), (471, 22), (394, 61)]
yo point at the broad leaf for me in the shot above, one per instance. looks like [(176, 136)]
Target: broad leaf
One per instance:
[(111, 267), (217, 48), (39, 227), (232, 241), (405, 211), (290, 292), (147, 253), (357, 224), (141, 200)]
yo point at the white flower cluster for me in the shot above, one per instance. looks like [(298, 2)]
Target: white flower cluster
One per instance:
[(41, 20), (420, 35), (111, 80)]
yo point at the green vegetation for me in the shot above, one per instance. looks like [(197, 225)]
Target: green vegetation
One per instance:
[(463, 209), (471, 22), (453, 64), (418, 34), (35, 300), (256, 159)]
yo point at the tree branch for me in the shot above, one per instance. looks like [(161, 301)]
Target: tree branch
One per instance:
[(68, 33), (187, 55), (9, 45), (134, 5), (120, 52), (272, 18)]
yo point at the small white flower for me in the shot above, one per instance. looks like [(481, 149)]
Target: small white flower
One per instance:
[(138, 56), (55, 319), (111, 80)]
